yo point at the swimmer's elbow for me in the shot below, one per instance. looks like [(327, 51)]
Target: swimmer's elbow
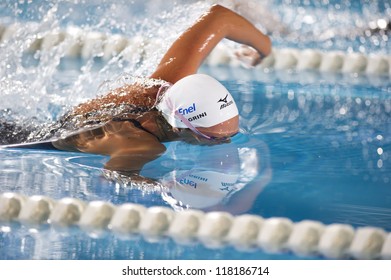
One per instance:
[(216, 8), (240, 29), (219, 10)]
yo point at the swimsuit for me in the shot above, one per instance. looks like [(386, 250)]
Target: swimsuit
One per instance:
[(72, 123)]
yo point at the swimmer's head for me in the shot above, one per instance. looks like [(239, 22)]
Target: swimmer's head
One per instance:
[(202, 104)]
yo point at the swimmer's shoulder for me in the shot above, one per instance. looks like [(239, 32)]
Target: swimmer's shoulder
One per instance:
[(142, 93)]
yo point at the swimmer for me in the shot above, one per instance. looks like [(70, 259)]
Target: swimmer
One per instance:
[(130, 123)]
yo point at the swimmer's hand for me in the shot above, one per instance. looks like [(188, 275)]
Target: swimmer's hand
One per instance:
[(132, 180), (248, 56)]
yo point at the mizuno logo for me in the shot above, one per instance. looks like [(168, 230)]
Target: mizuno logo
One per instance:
[(225, 102), (223, 99)]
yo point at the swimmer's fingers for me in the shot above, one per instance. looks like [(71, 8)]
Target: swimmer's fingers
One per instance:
[(248, 56), (131, 179)]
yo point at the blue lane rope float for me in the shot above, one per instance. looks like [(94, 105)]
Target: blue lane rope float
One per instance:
[(88, 44), (212, 229)]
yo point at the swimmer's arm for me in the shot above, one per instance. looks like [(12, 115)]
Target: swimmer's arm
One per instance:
[(129, 147), (127, 156), (188, 52), (126, 162)]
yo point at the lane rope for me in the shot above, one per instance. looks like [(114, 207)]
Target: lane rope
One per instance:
[(212, 229), (89, 44)]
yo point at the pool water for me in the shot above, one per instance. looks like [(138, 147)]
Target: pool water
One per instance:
[(312, 146), (308, 166)]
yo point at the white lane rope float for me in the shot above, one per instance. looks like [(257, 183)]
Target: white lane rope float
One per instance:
[(212, 229), (89, 44)]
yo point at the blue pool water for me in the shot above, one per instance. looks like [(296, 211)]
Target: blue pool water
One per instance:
[(312, 146)]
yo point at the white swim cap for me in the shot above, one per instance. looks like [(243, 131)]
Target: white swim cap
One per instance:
[(197, 100)]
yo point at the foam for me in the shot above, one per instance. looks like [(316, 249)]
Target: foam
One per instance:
[(36, 209), (96, 216), (51, 40), (305, 237), (354, 63), (386, 250), (309, 59), (185, 226), (274, 234), (220, 55), (115, 45), (331, 61), (367, 243), (214, 228), (127, 218), (285, 59), (93, 45), (75, 38), (377, 65), (10, 206), (269, 61), (244, 231), (156, 222), (67, 212), (335, 241)]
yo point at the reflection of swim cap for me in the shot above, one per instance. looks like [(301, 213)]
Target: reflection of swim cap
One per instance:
[(197, 101), (203, 177), (198, 188)]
